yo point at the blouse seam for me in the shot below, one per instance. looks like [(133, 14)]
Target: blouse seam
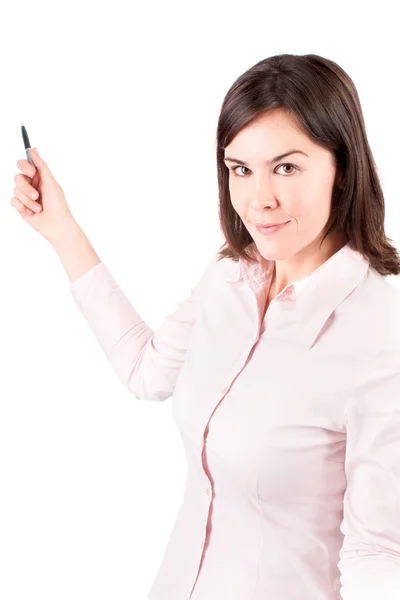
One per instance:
[(262, 531)]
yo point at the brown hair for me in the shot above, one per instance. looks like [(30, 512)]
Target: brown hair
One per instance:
[(324, 102)]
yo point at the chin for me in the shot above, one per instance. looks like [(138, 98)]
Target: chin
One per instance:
[(269, 252), (272, 254)]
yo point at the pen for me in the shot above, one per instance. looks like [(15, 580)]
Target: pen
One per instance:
[(26, 144)]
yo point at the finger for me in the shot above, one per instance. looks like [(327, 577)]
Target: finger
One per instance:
[(39, 163), (22, 197), (26, 167), (24, 183), (20, 207)]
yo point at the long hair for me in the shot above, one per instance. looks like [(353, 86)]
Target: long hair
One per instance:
[(324, 102)]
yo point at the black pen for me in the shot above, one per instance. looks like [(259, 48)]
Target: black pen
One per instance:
[(26, 144)]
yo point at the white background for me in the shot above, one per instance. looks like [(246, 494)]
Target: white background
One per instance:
[(122, 100)]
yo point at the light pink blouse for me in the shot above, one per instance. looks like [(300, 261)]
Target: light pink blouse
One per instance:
[(290, 424)]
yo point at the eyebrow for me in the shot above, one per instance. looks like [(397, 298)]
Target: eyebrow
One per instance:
[(268, 162)]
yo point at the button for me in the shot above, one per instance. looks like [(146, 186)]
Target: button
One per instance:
[(224, 390)]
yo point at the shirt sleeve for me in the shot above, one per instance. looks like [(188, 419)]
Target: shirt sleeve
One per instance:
[(370, 554), (147, 362)]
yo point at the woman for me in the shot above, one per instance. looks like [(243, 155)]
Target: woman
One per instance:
[(283, 362)]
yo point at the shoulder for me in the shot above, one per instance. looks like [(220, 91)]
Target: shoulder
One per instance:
[(223, 269), (382, 294), (383, 305)]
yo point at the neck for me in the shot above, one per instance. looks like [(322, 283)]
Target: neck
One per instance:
[(303, 263)]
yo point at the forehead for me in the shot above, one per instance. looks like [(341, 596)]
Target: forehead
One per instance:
[(273, 134), (269, 131)]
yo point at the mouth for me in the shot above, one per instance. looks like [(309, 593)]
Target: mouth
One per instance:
[(270, 224), (270, 228)]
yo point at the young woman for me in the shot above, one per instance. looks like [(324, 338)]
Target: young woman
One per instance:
[(283, 362)]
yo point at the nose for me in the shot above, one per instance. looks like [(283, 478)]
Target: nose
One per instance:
[(263, 191), (263, 196)]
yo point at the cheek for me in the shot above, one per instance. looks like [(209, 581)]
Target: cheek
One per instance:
[(297, 208), (237, 205), (305, 204), (313, 213)]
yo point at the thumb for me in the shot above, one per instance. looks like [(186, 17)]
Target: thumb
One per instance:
[(38, 161)]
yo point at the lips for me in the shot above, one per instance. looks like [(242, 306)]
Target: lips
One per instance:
[(270, 224), (270, 229)]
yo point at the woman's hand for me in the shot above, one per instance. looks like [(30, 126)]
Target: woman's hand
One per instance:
[(54, 214)]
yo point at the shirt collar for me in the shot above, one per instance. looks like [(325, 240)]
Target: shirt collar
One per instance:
[(318, 294)]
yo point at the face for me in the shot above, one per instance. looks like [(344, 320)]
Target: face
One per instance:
[(296, 188)]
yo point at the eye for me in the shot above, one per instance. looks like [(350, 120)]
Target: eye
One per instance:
[(233, 169), (278, 167), (287, 165)]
